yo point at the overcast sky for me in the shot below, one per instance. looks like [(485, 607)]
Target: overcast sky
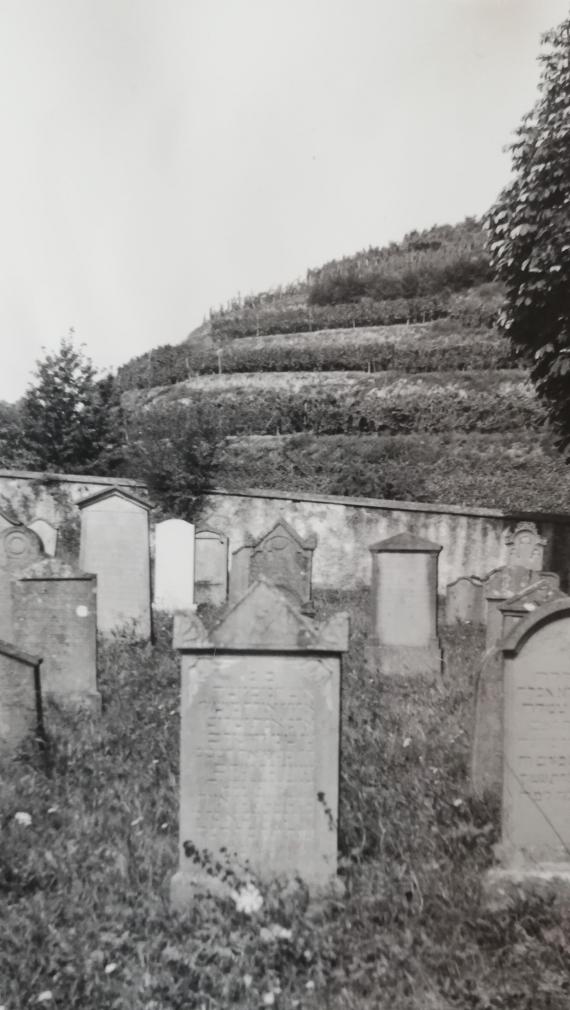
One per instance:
[(159, 156)]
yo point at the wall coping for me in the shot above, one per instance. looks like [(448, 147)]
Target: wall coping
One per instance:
[(71, 478)]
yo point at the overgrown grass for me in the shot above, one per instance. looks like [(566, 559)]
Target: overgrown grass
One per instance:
[(85, 914)]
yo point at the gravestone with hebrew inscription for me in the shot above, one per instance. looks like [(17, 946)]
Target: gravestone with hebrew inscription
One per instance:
[(174, 565), (210, 566), (19, 548), (114, 546), (47, 534), (487, 746), (535, 842), (20, 697), (403, 641), (282, 557), (259, 764), (464, 601), (525, 547), (55, 615)]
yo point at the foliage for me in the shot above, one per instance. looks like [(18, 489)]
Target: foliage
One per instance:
[(71, 422), (85, 918), (530, 234), (11, 451), (174, 453)]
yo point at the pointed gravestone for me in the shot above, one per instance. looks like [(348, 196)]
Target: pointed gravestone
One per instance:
[(210, 566), (259, 764), (525, 547), (115, 547), (20, 697), (19, 548), (47, 534), (535, 843), (487, 746), (403, 640), (55, 614), (282, 557), (174, 565)]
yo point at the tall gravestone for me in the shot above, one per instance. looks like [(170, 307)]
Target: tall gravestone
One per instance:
[(115, 547), (210, 566), (403, 640), (20, 697), (487, 746), (19, 548), (282, 557), (174, 565), (259, 761), (55, 614), (535, 841)]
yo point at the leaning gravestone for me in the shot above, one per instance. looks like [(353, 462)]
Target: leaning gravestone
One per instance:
[(210, 566), (535, 842), (259, 764), (174, 565), (487, 746), (55, 614), (282, 557), (403, 640), (19, 548), (47, 534), (20, 697), (115, 547), (464, 601)]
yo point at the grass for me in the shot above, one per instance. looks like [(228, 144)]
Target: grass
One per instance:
[(84, 888)]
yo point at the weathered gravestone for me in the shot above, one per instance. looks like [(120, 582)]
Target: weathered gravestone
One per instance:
[(282, 557), (115, 547), (501, 585), (403, 640), (55, 614), (210, 566), (535, 842), (259, 764), (487, 746), (19, 548), (20, 697), (525, 547), (47, 534), (174, 565), (464, 601)]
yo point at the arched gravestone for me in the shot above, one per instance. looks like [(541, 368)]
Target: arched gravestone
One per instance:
[(464, 601), (282, 557), (174, 565), (114, 546), (210, 566), (535, 843), (20, 696), (19, 548), (55, 614)]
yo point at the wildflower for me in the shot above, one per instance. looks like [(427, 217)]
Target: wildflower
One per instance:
[(407, 741), (268, 998), (52, 810), (136, 821), (274, 932), (458, 803), (45, 996), (23, 818), (110, 968), (247, 980), (247, 899), (164, 826), (310, 984)]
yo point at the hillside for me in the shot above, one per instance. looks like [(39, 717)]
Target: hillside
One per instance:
[(380, 374)]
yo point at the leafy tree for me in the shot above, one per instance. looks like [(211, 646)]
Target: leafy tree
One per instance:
[(71, 421), (529, 228), (11, 450)]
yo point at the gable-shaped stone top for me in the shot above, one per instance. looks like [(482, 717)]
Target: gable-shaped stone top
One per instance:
[(263, 620), (13, 652), (536, 595), (406, 542), (56, 569), (546, 614), (113, 492), (308, 543)]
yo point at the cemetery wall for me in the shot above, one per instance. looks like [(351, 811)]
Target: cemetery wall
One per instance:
[(473, 539)]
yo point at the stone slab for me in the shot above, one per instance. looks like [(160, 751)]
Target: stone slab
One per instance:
[(19, 548), (464, 601), (20, 697), (210, 566), (174, 565)]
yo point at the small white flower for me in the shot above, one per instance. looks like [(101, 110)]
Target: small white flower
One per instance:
[(164, 826), (268, 998), (136, 821), (45, 996), (458, 803), (52, 810), (310, 984), (247, 980), (407, 741), (110, 968), (247, 899), (24, 819)]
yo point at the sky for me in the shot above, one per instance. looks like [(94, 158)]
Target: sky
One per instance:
[(160, 156)]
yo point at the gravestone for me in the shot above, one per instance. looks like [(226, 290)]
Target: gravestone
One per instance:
[(5, 522), (464, 601), (259, 764), (114, 546), (20, 697), (525, 547), (282, 557), (403, 640), (487, 746), (55, 613), (535, 841), (174, 565), (19, 548), (210, 566), (47, 534), (501, 585)]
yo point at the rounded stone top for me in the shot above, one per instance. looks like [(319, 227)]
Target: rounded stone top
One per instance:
[(544, 614), (405, 543)]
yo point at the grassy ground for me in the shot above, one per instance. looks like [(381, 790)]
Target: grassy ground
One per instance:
[(85, 921)]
